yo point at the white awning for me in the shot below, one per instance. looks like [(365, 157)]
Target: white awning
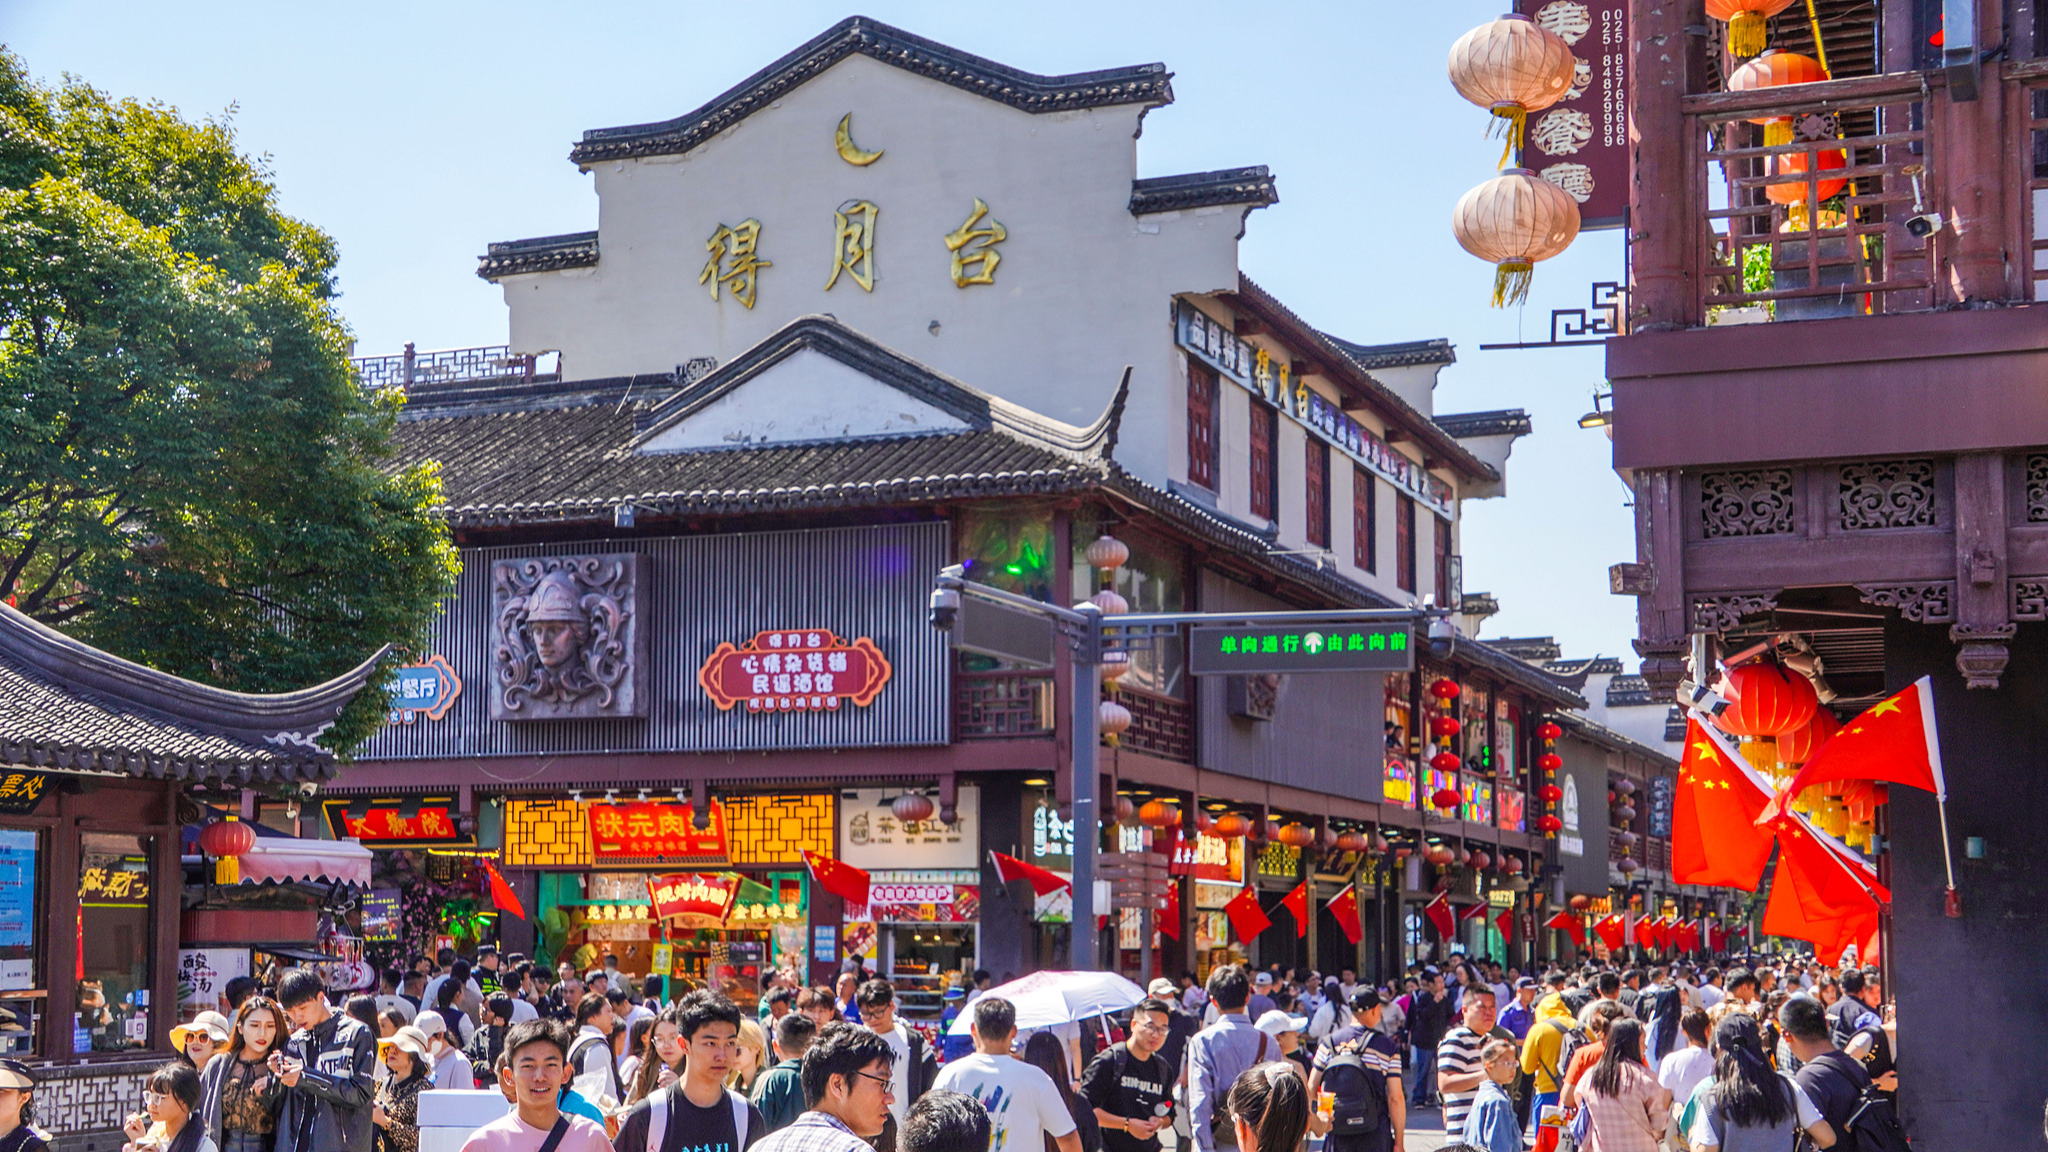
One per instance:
[(285, 860)]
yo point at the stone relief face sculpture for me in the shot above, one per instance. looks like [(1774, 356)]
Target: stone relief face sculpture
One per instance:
[(567, 638)]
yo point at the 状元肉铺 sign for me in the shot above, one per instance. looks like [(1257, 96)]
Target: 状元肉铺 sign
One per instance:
[(646, 831)]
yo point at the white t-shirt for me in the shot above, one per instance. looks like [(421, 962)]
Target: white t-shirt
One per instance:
[(1710, 996), (453, 1070), (1023, 1106), (1706, 1127), (398, 1003), (898, 1040), (433, 993), (523, 1011), (1682, 1071)]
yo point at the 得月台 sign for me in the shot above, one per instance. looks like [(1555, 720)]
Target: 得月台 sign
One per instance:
[(795, 670), (1253, 649)]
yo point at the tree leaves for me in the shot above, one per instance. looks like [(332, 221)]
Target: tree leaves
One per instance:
[(190, 475)]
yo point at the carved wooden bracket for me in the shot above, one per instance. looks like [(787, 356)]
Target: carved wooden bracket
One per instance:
[(1982, 656), (1929, 603), (1723, 613)]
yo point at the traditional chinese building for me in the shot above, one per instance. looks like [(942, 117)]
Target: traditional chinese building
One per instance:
[(100, 763), (1827, 404), (882, 308)]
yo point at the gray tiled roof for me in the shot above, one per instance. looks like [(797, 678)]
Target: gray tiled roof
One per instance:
[(1249, 186), (68, 707), (1148, 84), (1500, 422), (1370, 356), (538, 254)]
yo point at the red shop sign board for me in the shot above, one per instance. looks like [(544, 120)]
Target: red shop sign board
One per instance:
[(643, 831), (692, 894), (433, 824), (1580, 143), (795, 670)]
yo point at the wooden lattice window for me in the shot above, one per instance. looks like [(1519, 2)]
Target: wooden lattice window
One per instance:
[(1318, 493), (1201, 425), (1265, 429), (1404, 544), (1365, 520), (546, 834), (1441, 559), (778, 829)]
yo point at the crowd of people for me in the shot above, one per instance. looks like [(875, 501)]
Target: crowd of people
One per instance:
[(1605, 1059)]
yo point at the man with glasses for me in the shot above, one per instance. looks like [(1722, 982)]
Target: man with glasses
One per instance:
[(1129, 1084), (846, 1079), (1022, 1102)]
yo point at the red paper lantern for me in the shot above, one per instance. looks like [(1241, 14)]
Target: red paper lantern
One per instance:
[(1122, 812), (1746, 20), (1439, 855), (1353, 841), (1581, 903), (1794, 164), (1550, 793), (227, 838), (1445, 761), (1548, 731), (1403, 851), (1231, 826), (1269, 834), (1158, 814), (911, 808), (1443, 689), (1512, 865), (1479, 860), (1443, 727), (1550, 761), (1548, 824), (1204, 823), (1297, 835), (1799, 745), (1447, 798), (1766, 699)]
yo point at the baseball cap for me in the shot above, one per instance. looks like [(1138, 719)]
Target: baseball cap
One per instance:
[(1525, 982), (1275, 1022), (1430, 970), (1160, 987), (1363, 997), (429, 1023), (1263, 980)]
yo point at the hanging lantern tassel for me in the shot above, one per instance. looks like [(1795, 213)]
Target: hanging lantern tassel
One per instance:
[(227, 870), (1510, 122), (1511, 283), (1746, 33)]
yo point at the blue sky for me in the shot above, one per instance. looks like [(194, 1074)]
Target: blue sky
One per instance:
[(416, 133)]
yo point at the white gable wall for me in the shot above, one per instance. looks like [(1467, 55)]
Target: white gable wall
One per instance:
[(1083, 289), (805, 397)]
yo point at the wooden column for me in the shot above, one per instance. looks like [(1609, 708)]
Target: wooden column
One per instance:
[(1662, 229), (1970, 151), (1662, 614), (1981, 627)]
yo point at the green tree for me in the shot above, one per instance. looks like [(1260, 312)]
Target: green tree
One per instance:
[(190, 475)]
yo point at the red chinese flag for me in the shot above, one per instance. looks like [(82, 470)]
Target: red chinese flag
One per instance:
[(1568, 922), (1610, 930), (1168, 920), (1505, 923), (1439, 913), (1820, 897), (1245, 914), (1297, 903), (1714, 838), (502, 895), (1893, 742), (1043, 881), (1471, 911), (1344, 907), (840, 879)]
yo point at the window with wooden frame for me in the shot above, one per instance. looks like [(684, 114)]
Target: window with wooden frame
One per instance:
[(1442, 559), (1201, 425), (1317, 470), (1404, 544), (1365, 520), (1265, 429)]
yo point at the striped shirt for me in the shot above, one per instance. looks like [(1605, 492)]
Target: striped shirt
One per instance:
[(1458, 1055)]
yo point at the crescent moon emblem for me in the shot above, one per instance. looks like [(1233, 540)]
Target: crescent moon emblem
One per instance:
[(848, 150)]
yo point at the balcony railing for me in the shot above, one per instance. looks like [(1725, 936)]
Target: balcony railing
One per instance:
[(1002, 705), (413, 369), (1802, 195), (1161, 726)]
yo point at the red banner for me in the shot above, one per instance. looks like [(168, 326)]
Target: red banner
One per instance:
[(692, 894), (809, 670), (640, 831), (432, 824)]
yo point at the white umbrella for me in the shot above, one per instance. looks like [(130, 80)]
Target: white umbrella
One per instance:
[(1044, 999)]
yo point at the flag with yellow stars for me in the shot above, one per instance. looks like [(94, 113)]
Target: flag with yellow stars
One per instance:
[(1714, 837), (1819, 895), (1894, 742)]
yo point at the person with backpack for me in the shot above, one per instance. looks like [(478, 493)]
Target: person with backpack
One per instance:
[(1751, 1105), (1359, 1066), (1862, 1119), (698, 1111), (593, 1066), (1219, 1054), (1544, 1048), (1131, 1085), (533, 1072)]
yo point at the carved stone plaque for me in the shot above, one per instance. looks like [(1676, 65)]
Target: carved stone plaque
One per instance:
[(567, 638)]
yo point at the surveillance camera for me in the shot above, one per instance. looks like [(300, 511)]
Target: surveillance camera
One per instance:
[(1691, 695), (309, 789), (1924, 225), (945, 609), (1443, 637)]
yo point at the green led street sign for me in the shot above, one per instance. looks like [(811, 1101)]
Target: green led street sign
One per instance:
[(1238, 651)]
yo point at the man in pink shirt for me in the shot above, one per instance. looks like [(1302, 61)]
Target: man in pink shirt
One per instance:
[(536, 1066)]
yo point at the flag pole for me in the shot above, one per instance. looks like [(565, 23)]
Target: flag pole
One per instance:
[(1952, 900)]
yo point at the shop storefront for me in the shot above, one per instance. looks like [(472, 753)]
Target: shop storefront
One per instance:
[(920, 927)]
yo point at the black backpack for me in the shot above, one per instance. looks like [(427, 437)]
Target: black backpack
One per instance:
[(1361, 1095), (1873, 1126)]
